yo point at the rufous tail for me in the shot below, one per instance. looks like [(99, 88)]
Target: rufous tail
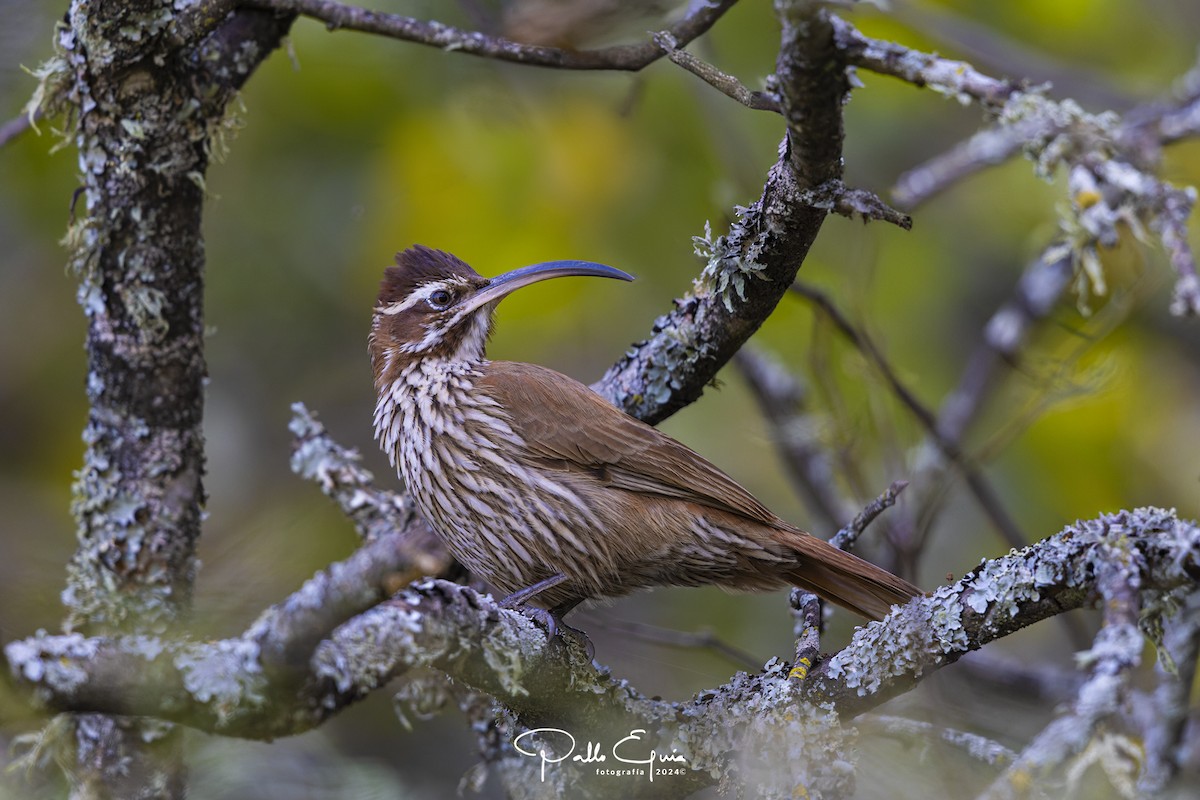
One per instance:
[(845, 579)]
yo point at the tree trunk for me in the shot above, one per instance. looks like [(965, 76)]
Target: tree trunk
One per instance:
[(147, 89)]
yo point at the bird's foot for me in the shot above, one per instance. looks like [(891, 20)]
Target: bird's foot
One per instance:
[(552, 621)]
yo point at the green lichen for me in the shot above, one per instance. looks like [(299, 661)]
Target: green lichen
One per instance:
[(504, 648), (33, 752), (145, 307), (222, 130), (53, 95)]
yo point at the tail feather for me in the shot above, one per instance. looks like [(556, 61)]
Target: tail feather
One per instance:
[(847, 580)]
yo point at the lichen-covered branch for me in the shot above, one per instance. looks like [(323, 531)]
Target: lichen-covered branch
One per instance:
[(749, 268), (339, 474), (723, 82), (1117, 650), (954, 79), (1110, 157), (999, 596), (750, 726), (1163, 716), (630, 57), (399, 548)]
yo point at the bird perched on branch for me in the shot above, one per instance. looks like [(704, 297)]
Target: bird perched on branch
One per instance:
[(545, 490)]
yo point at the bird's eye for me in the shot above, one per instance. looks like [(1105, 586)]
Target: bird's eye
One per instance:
[(440, 299)]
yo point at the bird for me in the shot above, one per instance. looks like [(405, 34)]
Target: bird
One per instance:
[(548, 492)]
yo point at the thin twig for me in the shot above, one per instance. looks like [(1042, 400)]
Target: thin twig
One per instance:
[(1119, 154), (867, 206), (1044, 684), (808, 622), (1008, 55), (781, 398), (1005, 334), (846, 538), (632, 57), (16, 126), (987, 498), (722, 82), (980, 748), (986, 148), (691, 640)]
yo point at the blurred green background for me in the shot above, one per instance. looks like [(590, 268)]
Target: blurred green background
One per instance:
[(354, 147)]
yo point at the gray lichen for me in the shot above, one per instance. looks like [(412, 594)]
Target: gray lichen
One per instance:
[(58, 665), (734, 258), (760, 741), (225, 676)]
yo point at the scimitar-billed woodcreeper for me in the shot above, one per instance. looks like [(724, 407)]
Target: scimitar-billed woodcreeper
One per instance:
[(545, 490)]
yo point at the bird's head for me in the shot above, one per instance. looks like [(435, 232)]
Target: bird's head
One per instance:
[(432, 305)]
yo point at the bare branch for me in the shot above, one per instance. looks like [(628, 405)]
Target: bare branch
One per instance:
[(987, 148), (446, 37), (782, 400), (905, 730), (1043, 683), (1004, 335), (846, 538), (987, 497), (17, 125), (666, 637)]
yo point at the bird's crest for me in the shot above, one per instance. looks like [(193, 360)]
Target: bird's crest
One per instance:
[(418, 265)]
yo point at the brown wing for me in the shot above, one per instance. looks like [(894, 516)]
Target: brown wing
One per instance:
[(567, 424)]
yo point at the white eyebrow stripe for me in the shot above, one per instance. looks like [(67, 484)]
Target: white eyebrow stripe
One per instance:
[(419, 295), (410, 301)]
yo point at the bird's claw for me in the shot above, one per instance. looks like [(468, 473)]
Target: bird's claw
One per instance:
[(556, 629)]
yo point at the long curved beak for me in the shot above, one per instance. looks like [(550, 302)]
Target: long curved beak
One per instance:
[(502, 285)]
